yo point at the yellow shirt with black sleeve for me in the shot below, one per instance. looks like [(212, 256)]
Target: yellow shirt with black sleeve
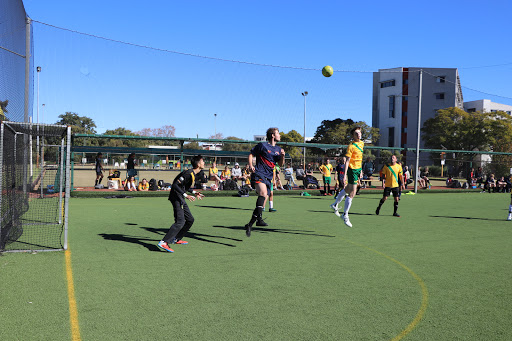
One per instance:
[(213, 171), (355, 153), (226, 174), (391, 179), (143, 187), (326, 170)]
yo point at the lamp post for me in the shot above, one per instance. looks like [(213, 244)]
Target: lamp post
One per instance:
[(305, 93), (37, 142), (418, 139)]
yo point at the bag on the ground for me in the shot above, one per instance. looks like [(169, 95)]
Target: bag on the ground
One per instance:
[(287, 187), (153, 186), (230, 185), (243, 192)]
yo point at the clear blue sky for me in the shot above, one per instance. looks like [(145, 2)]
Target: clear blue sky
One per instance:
[(125, 86)]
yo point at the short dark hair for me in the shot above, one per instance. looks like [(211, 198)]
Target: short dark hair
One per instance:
[(271, 131), (354, 130), (195, 161)]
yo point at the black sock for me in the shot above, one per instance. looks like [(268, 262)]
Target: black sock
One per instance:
[(256, 214), (96, 182), (99, 182), (380, 203), (328, 188), (395, 207)]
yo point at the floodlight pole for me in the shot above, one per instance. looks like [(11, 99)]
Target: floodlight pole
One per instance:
[(418, 137), (305, 93)]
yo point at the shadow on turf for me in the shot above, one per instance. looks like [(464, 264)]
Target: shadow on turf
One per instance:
[(194, 235), (466, 218), (269, 229), (227, 207), (131, 239)]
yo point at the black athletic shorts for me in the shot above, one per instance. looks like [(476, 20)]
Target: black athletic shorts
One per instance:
[(389, 190)]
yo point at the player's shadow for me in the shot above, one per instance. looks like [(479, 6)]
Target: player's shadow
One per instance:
[(197, 236), (465, 218), (131, 239), (330, 211), (276, 230), (227, 207)]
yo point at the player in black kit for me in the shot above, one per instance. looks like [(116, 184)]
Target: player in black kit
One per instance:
[(183, 218)]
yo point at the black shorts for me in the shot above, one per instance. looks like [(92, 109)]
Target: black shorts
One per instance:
[(256, 179), (389, 190)]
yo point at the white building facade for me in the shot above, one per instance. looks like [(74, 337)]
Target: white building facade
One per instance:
[(395, 103), (485, 105)]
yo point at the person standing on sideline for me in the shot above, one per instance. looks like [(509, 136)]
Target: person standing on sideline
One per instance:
[(183, 218), (354, 158), (99, 169), (326, 169), (339, 172), (267, 154), (130, 167), (394, 183)]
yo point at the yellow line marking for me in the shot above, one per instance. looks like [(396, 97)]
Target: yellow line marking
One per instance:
[(73, 311), (424, 291)]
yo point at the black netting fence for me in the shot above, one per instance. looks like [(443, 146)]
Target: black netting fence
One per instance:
[(34, 196), (16, 62)]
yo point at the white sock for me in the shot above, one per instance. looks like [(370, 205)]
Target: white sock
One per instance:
[(348, 203), (271, 204), (339, 198), (510, 209)]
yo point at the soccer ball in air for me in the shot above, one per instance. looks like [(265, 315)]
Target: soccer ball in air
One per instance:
[(327, 71)]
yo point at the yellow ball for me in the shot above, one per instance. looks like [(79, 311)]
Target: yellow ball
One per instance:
[(327, 71)]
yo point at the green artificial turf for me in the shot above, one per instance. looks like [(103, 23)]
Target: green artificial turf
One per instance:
[(305, 277)]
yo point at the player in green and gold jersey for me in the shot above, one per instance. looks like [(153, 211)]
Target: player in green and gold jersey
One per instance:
[(394, 182), (353, 165)]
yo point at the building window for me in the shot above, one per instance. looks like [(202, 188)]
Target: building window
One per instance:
[(440, 95), (404, 114), (493, 110), (441, 79), (391, 136), (404, 130), (391, 106), (405, 82), (387, 83), (405, 98), (471, 110), (509, 112)]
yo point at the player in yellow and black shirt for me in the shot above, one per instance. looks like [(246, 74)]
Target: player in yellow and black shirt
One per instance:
[(353, 166), (394, 181)]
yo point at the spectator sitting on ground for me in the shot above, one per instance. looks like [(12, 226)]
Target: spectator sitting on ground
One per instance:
[(300, 173), (490, 183), (425, 178), (129, 184), (479, 175), (226, 173), (309, 169), (214, 174), (407, 177), (236, 174), (144, 185), (502, 185), (246, 176), (288, 175), (419, 178)]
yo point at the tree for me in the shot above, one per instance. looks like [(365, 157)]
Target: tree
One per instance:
[(338, 132), (455, 129), (294, 152), (165, 131), (192, 145), (79, 124), (236, 147), (119, 142)]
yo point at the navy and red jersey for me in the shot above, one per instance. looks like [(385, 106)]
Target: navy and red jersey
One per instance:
[(340, 170), (266, 158)]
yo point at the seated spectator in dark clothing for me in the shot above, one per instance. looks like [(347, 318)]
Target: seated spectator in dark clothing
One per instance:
[(501, 185), (424, 175), (490, 183), (452, 183), (479, 175), (300, 172), (471, 177)]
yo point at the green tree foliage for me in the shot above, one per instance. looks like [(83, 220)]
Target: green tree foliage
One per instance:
[(294, 152), (164, 131), (453, 128), (338, 132), (79, 125), (192, 145), (120, 142), (236, 147)]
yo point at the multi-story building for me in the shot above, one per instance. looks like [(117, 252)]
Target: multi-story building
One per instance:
[(485, 105), (396, 98)]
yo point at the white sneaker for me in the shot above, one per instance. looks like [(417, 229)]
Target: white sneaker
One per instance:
[(335, 209), (346, 220), (509, 217)]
